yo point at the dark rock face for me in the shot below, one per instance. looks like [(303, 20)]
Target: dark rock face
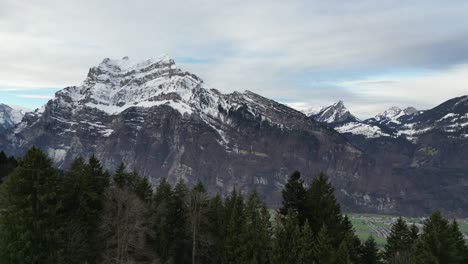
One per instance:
[(163, 122)]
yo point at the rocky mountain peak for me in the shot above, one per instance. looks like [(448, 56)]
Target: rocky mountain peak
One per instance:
[(335, 113), (394, 115), (115, 85)]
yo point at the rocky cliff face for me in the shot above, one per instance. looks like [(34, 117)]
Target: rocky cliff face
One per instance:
[(163, 122)]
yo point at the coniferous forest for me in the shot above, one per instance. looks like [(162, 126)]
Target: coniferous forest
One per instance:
[(88, 215)]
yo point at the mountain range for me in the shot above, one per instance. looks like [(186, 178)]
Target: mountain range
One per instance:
[(164, 122)]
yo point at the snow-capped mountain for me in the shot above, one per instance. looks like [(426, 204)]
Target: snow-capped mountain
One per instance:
[(334, 114), (165, 122), (11, 115), (394, 117), (449, 118), (340, 118)]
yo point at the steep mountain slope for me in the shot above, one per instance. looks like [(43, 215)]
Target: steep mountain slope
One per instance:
[(163, 122)]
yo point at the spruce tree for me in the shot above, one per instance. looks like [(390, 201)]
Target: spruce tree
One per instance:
[(323, 247), (343, 255), (399, 242), (306, 253), (294, 197), (287, 242), (370, 252), (353, 243), (256, 231), (438, 243), (31, 223), (161, 226), (178, 217), (120, 176), (234, 219), (323, 209), (413, 233), (198, 223), (79, 204), (216, 229), (99, 177), (460, 248)]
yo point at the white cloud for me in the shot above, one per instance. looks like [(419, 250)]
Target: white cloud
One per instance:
[(256, 45), (422, 91), (34, 96)]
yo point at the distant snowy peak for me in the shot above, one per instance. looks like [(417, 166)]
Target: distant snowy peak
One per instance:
[(394, 117), (394, 113), (11, 115), (335, 113)]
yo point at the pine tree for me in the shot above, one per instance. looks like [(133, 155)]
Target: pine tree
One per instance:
[(179, 226), (399, 242), (343, 255), (438, 243), (31, 225), (198, 222), (353, 243), (120, 176), (323, 247), (294, 197), (256, 231), (100, 179), (161, 226), (323, 209), (216, 229), (287, 246), (414, 233), (234, 220), (143, 188), (370, 252), (306, 253), (79, 203), (460, 248)]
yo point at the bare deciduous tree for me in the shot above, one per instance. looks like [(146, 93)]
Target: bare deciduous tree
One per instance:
[(125, 229)]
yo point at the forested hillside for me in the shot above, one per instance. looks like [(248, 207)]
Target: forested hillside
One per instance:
[(89, 215)]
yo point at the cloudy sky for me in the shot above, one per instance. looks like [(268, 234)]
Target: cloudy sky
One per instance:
[(371, 54)]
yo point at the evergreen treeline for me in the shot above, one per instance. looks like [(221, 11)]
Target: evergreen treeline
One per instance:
[(87, 215)]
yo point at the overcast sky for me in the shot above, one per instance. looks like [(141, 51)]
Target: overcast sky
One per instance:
[(370, 54)]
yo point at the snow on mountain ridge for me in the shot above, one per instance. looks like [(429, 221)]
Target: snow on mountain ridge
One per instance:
[(117, 85), (11, 115), (393, 114), (335, 113)]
